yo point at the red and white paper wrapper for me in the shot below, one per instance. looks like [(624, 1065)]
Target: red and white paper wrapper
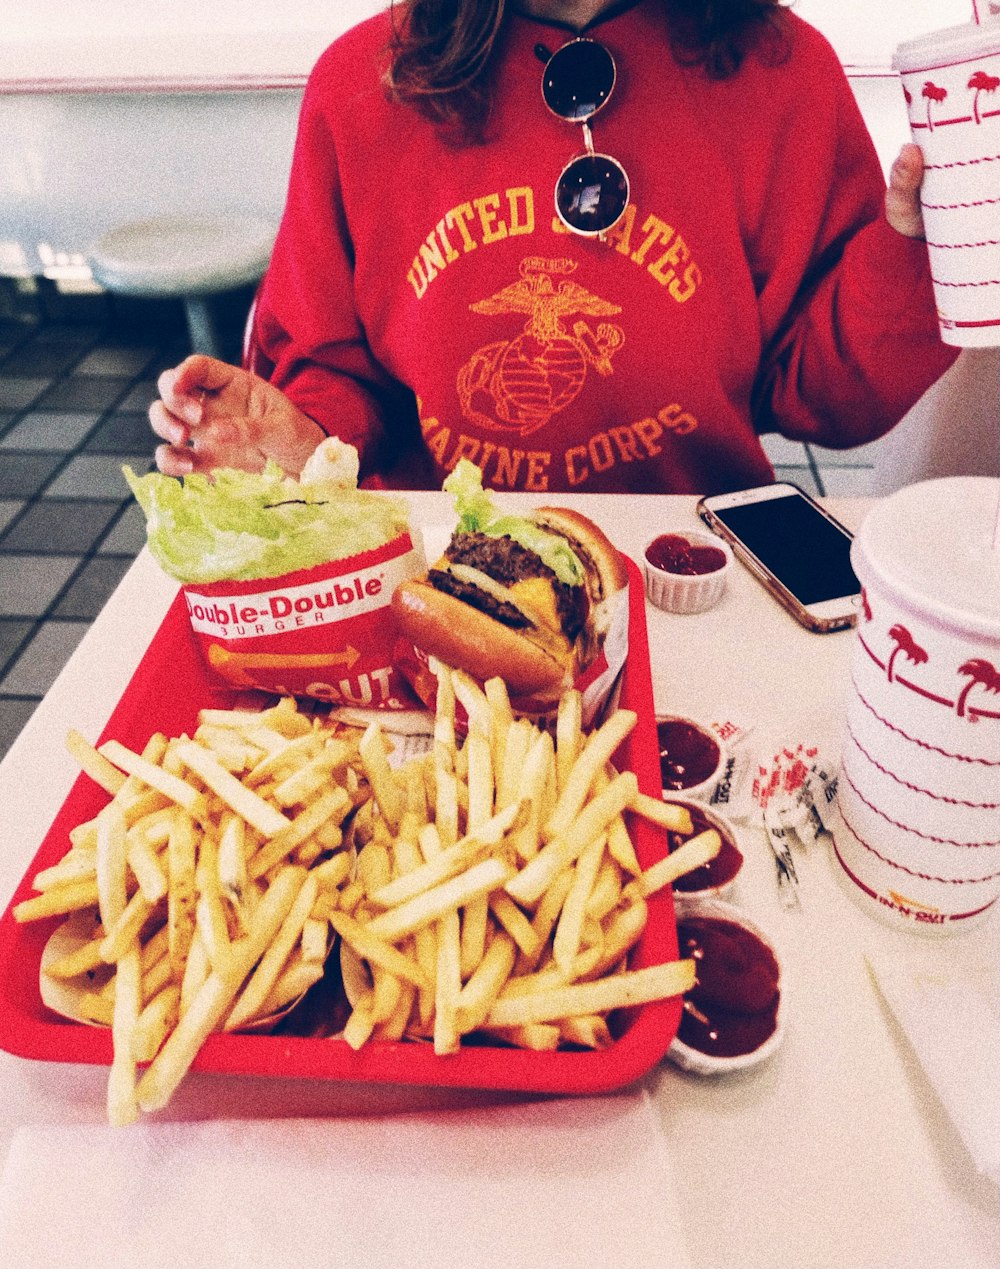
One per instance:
[(325, 632), (919, 785)]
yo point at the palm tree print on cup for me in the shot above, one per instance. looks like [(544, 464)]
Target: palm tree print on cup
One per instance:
[(980, 672), (906, 644), (933, 94), (981, 83)]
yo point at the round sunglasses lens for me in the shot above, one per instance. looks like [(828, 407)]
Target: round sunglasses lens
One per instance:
[(578, 79), (592, 194)]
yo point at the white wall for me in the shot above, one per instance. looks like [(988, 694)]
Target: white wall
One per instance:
[(48, 19), (864, 32)]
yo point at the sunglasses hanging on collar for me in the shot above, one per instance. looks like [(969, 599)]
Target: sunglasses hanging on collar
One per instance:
[(592, 191)]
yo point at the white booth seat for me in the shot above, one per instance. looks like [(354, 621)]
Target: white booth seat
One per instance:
[(191, 258)]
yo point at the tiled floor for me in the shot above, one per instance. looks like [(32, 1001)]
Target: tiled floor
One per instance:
[(77, 374)]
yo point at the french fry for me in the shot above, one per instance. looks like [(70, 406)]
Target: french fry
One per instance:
[(278, 950), (569, 927), (385, 787), (361, 1023), (538, 874), (94, 764), (669, 815), (634, 987), (158, 1018), (569, 734), (159, 778), (502, 716), (593, 757), (447, 983), (483, 987), (82, 960), (59, 901), (122, 1105), (124, 934), (334, 804), (181, 891), (540, 1037), (266, 819), (431, 905), (314, 938), (513, 920), (378, 951), (146, 868), (692, 854), (589, 1031), (294, 981), (196, 970), (539, 764), (110, 865), (475, 703), (216, 995), (622, 931)]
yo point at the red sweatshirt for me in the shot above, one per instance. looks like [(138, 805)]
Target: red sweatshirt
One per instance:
[(753, 284)]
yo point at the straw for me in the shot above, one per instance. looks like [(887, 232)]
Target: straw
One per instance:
[(979, 10), (996, 526)]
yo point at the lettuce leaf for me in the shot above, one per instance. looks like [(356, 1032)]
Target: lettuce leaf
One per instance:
[(477, 514), (246, 525)]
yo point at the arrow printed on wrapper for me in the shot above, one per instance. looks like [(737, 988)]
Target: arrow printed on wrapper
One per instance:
[(238, 666)]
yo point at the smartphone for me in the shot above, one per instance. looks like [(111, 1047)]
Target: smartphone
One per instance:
[(796, 549)]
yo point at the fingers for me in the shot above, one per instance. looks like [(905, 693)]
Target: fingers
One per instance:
[(200, 373), (174, 460), (902, 199), (908, 169), (168, 426)]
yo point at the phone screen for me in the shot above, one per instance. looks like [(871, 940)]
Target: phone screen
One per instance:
[(809, 555)]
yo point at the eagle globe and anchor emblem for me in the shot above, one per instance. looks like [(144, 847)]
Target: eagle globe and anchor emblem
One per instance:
[(543, 369)]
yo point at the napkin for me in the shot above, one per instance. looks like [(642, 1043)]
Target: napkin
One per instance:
[(952, 1021), (574, 1183)]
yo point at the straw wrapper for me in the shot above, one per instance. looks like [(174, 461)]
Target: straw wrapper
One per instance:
[(952, 1022)]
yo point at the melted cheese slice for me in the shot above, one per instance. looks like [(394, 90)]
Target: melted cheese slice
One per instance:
[(532, 596)]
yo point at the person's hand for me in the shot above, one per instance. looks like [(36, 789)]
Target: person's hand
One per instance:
[(902, 198), (215, 415)]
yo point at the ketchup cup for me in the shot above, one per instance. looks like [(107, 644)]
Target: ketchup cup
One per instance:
[(686, 570)]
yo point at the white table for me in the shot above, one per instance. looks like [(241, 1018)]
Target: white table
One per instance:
[(835, 1153)]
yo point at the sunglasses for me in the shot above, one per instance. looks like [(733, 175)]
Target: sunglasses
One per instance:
[(592, 190)]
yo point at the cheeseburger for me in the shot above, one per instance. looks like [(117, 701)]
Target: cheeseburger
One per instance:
[(527, 598)]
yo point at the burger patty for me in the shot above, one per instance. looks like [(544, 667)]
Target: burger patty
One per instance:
[(507, 562)]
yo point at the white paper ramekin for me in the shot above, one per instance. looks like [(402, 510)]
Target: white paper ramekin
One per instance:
[(683, 593)]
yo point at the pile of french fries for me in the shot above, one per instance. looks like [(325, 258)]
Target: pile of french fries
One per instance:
[(487, 886)]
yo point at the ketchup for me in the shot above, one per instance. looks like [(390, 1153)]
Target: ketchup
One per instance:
[(718, 871), (675, 554), (688, 755), (733, 1007)]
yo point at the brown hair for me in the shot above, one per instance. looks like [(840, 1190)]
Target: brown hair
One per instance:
[(442, 51)]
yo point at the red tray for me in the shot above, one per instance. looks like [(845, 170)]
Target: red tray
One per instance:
[(168, 688)]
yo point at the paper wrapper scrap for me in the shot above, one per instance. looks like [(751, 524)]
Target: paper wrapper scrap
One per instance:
[(596, 684), (325, 632)]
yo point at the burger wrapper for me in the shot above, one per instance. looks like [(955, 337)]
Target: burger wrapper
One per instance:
[(597, 684), (325, 632)]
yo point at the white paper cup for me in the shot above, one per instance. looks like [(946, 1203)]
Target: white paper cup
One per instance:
[(951, 81), (919, 785)]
